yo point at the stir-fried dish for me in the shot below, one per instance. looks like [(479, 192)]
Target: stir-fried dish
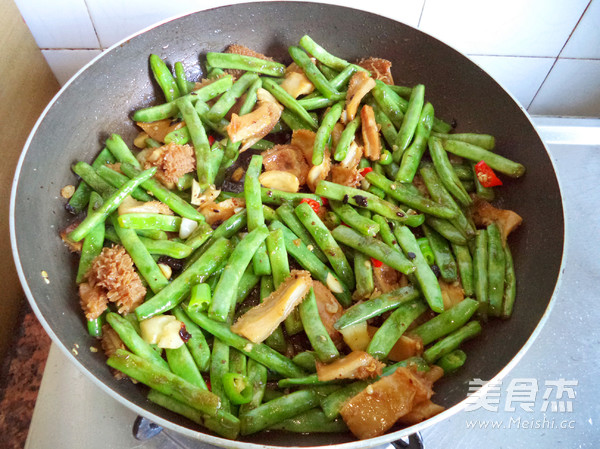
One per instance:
[(301, 248)]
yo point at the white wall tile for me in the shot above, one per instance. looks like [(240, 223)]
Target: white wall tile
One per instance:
[(508, 27), (519, 75), (585, 40), (571, 89), (65, 63), (59, 23)]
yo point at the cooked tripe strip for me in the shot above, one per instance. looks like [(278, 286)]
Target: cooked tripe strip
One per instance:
[(370, 133), (260, 321), (356, 365), (360, 85)]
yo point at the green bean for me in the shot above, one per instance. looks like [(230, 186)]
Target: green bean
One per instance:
[(327, 71), (153, 234), (405, 195), (388, 131), (185, 86), (164, 78), (311, 421), (110, 204), (446, 322), (484, 141), (199, 235), (117, 180), (330, 118), (223, 303), (411, 117), (310, 104), (386, 232), (92, 243), (496, 270), (166, 248), (354, 219), (480, 271), (446, 229), (133, 341), (289, 102), (426, 250), (306, 360), (425, 276), (182, 363), (87, 173), (393, 327), (223, 424), (196, 344), (476, 154), (363, 270), (256, 351), (214, 72), (299, 251), (293, 121), (278, 197), (390, 104), (315, 330), (321, 54), (170, 109), (141, 257), (277, 410), (357, 197), (260, 260), (198, 272), (81, 196), (403, 91), (327, 243), (219, 366), (412, 156), (95, 326), (346, 138), (168, 223), (452, 341), (164, 381), (285, 212), (452, 361), (311, 71), (333, 403), (442, 253), (247, 283), (175, 203), (446, 172), (179, 136), (228, 99), (377, 306), (257, 377), (438, 193), (373, 248), (276, 340), (200, 297), (247, 63), (463, 171), (465, 267), (510, 284), (487, 193), (119, 149)]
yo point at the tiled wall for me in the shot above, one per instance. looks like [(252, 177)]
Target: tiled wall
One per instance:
[(545, 52)]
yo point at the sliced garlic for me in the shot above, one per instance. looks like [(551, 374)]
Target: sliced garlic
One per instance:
[(357, 336), (296, 84), (140, 140), (333, 284), (187, 227), (166, 270), (152, 328), (279, 180), (170, 338), (200, 197)]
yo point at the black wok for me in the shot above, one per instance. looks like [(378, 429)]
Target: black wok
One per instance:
[(98, 101)]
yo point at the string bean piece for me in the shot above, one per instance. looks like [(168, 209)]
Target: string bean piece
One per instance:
[(311, 421), (447, 174), (391, 105), (276, 340), (385, 232), (164, 381), (452, 341), (312, 72), (394, 326), (485, 141), (200, 297), (388, 130), (199, 235), (510, 284), (182, 363), (411, 118), (446, 229), (496, 270), (289, 102), (87, 173), (373, 248), (119, 149), (423, 273), (475, 153), (168, 223), (252, 194), (315, 330), (452, 361), (363, 270), (228, 99), (324, 132), (92, 243), (442, 254), (465, 267), (286, 214), (257, 378), (110, 204), (219, 366), (347, 137), (446, 322), (321, 54), (354, 219), (185, 86), (412, 156), (247, 63), (117, 180), (197, 343), (81, 196), (176, 291), (480, 271), (164, 78), (426, 250)]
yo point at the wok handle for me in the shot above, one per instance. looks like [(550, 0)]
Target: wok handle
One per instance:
[(413, 441), (144, 429)]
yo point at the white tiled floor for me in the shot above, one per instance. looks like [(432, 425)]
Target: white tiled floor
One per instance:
[(520, 76), (65, 63), (571, 89), (585, 41), (59, 23), (509, 27)]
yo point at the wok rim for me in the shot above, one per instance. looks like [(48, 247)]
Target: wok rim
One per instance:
[(237, 444)]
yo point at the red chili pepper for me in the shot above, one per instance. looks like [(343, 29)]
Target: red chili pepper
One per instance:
[(211, 140), (325, 201), (486, 176), (365, 171), (376, 263), (312, 203)]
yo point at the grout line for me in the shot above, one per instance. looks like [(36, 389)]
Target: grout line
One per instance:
[(72, 49), (93, 25), (557, 57), (421, 15)]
